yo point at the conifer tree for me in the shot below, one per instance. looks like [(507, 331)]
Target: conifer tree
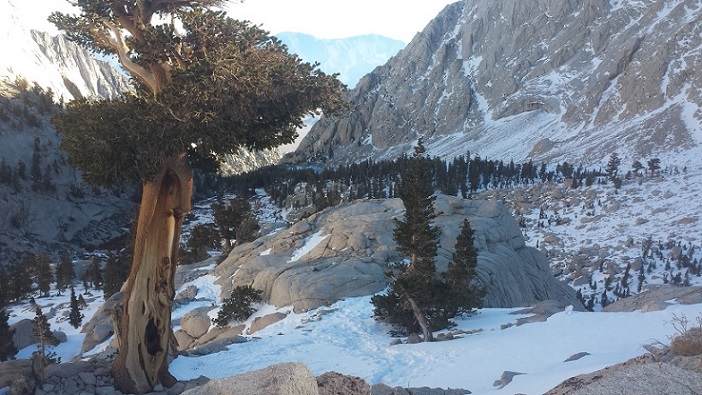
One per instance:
[(81, 302), (4, 287), (654, 165), (239, 305), (466, 293), (204, 85), (416, 238), (21, 280), (75, 317), (44, 274), (65, 274), (415, 288), (94, 273), (613, 166), (7, 346), (115, 274), (41, 358)]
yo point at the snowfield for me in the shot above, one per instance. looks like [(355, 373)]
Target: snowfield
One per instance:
[(345, 338)]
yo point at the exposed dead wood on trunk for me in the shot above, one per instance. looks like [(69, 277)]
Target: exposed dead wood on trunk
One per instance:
[(419, 315), (421, 318), (144, 330)]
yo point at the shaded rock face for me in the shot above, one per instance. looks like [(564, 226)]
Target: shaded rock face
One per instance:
[(547, 80), (342, 252), (101, 324)]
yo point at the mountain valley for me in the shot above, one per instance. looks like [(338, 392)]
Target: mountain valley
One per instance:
[(568, 133)]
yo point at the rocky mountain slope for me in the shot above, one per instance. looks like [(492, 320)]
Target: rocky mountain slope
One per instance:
[(46, 205), (52, 61), (351, 57), (544, 80)]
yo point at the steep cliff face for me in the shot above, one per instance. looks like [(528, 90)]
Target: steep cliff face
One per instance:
[(46, 206), (52, 61), (81, 74), (544, 80)]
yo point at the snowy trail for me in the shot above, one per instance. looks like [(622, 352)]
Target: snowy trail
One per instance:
[(349, 341)]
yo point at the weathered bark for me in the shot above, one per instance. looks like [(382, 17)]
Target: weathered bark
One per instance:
[(144, 328), (421, 318), (419, 314)]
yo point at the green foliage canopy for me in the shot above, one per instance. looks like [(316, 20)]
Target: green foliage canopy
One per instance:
[(206, 85)]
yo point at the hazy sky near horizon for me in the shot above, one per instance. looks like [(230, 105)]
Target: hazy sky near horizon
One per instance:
[(396, 19)]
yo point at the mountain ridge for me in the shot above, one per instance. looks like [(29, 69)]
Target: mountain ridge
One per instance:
[(53, 62), (566, 80), (351, 57)]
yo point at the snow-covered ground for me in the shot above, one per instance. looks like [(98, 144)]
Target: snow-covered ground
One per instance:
[(345, 338), (56, 309), (597, 231)]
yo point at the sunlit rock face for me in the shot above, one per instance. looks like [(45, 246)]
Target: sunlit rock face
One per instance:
[(343, 252), (544, 80)]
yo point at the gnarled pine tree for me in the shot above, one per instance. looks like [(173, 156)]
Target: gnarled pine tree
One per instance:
[(204, 85)]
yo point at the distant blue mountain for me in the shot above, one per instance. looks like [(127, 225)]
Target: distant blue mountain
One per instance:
[(351, 57)]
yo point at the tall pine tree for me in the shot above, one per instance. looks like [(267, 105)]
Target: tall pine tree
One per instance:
[(4, 287), (41, 358), (44, 274), (466, 293), (65, 274), (75, 317), (21, 279), (414, 287), (93, 274), (116, 271), (416, 238)]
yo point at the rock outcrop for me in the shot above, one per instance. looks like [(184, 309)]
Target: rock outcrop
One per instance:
[(342, 252), (657, 297), (659, 372), (544, 80), (282, 379)]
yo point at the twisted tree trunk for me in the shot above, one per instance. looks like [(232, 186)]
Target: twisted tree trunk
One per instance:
[(144, 327)]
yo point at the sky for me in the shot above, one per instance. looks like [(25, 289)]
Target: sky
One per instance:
[(319, 18), (340, 19)]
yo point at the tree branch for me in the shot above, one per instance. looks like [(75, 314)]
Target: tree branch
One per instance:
[(122, 50)]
